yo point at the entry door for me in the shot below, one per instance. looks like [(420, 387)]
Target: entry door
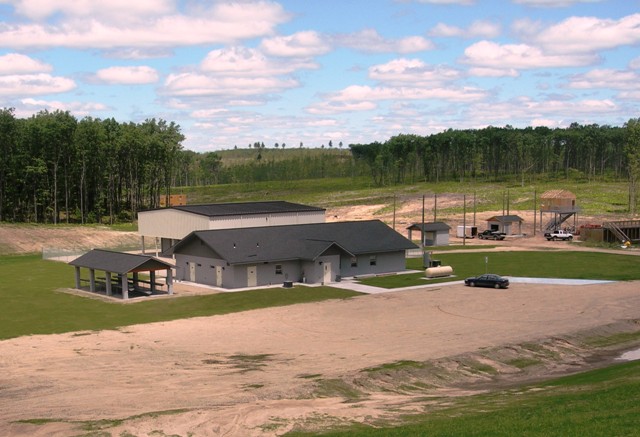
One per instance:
[(252, 277), (326, 278), (192, 271), (218, 276)]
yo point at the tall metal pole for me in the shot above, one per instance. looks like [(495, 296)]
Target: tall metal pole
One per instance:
[(502, 221), (474, 208), (535, 213), (394, 211), (422, 225), (435, 208), (464, 220)]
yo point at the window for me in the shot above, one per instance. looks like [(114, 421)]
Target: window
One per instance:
[(278, 269), (372, 260), (354, 261)]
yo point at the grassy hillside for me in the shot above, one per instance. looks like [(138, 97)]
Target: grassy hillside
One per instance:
[(597, 403), (601, 198)]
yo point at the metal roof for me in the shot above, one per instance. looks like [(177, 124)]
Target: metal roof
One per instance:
[(505, 218), (558, 194), (430, 227), (119, 262), (244, 208), (307, 241)]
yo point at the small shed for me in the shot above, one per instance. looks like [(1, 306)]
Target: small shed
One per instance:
[(121, 264), (435, 233), (507, 224)]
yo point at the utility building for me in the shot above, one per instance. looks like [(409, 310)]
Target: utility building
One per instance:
[(166, 226), (318, 253)]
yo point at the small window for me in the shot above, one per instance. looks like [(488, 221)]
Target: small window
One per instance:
[(278, 269), (372, 260), (354, 262)]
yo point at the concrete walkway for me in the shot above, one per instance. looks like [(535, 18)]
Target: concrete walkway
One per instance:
[(351, 284)]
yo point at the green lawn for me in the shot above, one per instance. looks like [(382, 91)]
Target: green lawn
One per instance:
[(30, 304), (597, 403), (541, 264)]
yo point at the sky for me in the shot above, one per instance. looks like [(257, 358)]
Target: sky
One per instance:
[(307, 72)]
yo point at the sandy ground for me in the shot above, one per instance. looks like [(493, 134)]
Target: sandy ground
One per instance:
[(30, 239), (262, 372), (253, 373)]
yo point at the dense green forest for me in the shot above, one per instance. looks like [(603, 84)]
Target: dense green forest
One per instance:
[(56, 168)]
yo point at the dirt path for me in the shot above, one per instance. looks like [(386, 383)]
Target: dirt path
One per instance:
[(253, 373)]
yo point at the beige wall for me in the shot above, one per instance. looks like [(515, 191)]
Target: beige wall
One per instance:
[(176, 224)]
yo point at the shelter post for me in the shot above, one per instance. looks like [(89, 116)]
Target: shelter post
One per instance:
[(152, 275), (92, 280), (108, 279), (170, 281), (77, 277), (124, 283)]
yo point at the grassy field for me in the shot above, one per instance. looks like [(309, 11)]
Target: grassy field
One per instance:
[(541, 264), (596, 197), (597, 403), (30, 304)]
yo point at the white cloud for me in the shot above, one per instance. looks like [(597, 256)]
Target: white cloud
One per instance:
[(589, 34), (370, 41), (15, 63), (194, 85), (552, 3), (301, 44), (477, 29), (113, 9), (634, 64), (362, 98), (493, 72), (30, 106), (222, 23), (520, 56), (34, 84), (525, 109), (413, 71), (242, 61), (334, 107), (606, 79), (448, 2), (138, 75)]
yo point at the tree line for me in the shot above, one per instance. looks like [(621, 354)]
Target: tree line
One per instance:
[(55, 168), (496, 154)]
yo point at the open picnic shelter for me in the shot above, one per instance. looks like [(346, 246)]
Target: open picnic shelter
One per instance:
[(122, 264)]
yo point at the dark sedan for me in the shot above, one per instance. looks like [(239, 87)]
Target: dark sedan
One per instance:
[(487, 280)]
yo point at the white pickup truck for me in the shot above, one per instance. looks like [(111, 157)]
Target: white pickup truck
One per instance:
[(559, 235)]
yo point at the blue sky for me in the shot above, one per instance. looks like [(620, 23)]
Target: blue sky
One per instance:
[(311, 71)]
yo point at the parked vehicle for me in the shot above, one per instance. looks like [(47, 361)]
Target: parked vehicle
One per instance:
[(491, 235), (487, 280), (559, 235)]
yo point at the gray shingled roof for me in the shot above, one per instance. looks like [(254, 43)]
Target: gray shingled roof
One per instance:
[(430, 227), (118, 262), (245, 208), (307, 242)]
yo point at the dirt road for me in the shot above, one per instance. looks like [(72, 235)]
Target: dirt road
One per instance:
[(256, 372)]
